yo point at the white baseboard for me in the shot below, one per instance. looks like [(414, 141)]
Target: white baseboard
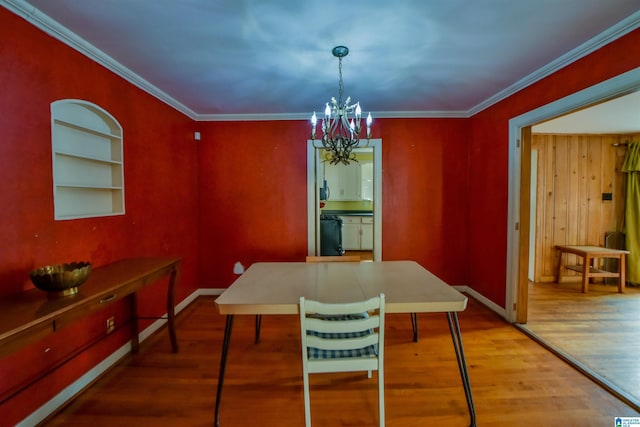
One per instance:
[(210, 291), (483, 300)]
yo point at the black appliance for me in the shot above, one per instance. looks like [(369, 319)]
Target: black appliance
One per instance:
[(324, 191), (330, 235)]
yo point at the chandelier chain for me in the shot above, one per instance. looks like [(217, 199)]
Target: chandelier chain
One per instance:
[(341, 83)]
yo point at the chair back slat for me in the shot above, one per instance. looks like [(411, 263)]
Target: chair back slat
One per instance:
[(343, 308), (342, 344), (332, 325)]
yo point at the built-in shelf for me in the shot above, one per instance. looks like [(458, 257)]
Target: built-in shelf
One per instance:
[(88, 173)]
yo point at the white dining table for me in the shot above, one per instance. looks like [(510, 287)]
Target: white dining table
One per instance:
[(276, 287)]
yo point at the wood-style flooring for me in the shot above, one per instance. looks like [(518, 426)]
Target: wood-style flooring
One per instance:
[(598, 331), (515, 381)]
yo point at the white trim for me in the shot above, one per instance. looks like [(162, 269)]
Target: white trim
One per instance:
[(61, 33), (617, 86), (313, 221), (312, 196), (482, 299), (210, 291), (429, 114), (73, 389)]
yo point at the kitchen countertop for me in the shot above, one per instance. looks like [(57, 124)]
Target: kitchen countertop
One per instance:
[(347, 212)]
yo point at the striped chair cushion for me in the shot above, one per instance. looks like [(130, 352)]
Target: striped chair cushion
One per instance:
[(317, 354)]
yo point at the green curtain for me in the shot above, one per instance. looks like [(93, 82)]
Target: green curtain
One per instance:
[(631, 167)]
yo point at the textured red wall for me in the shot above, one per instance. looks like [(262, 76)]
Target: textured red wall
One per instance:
[(253, 194), (160, 192), (488, 155), (424, 196)]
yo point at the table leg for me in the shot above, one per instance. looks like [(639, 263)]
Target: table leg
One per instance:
[(223, 365), (135, 337), (171, 310), (585, 273), (622, 273), (258, 325), (560, 266), (414, 326), (456, 336)]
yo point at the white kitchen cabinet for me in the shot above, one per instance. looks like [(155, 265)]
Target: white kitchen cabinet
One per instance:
[(357, 233), (343, 180), (350, 234), (352, 182), (366, 233), (366, 180)]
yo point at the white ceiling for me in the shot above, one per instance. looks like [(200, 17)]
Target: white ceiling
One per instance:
[(620, 115), (214, 59)]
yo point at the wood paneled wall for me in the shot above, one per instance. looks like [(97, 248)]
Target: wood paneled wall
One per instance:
[(573, 172)]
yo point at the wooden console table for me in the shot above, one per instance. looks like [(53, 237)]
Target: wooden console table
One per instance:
[(589, 267), (30, 316)]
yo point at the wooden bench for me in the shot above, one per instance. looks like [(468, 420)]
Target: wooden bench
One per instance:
[(589, 267)]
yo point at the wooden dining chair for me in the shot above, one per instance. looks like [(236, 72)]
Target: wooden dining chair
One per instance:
[(342, 338)]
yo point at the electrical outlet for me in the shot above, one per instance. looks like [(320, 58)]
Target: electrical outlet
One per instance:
[(111, 324)]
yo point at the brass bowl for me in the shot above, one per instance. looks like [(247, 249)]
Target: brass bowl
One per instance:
[(61, 279)]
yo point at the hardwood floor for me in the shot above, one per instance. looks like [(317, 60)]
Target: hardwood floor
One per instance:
[(514, 380), (597, 331)]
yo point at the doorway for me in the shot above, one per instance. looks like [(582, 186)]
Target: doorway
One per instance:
[(314, 183), (559, 317), (520, 175)]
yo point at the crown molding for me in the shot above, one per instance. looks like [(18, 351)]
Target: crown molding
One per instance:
[(56, 30), (307, 116)]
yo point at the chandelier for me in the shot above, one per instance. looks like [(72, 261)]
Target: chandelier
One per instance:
[(341, 124)]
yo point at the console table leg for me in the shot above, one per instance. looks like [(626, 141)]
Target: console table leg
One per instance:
[(135, 339), (171, 309), (223, 364), (456, 336)]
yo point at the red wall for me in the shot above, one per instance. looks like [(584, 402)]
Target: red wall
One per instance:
[(488, 156), (253, 194), (160, 191)]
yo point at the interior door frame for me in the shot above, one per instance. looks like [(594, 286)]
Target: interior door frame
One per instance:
[(520, 161), (313, 197)]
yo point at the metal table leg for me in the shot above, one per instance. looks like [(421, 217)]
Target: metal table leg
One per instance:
[(223, 365), (258, 325), (456, 336), (414, 326)]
